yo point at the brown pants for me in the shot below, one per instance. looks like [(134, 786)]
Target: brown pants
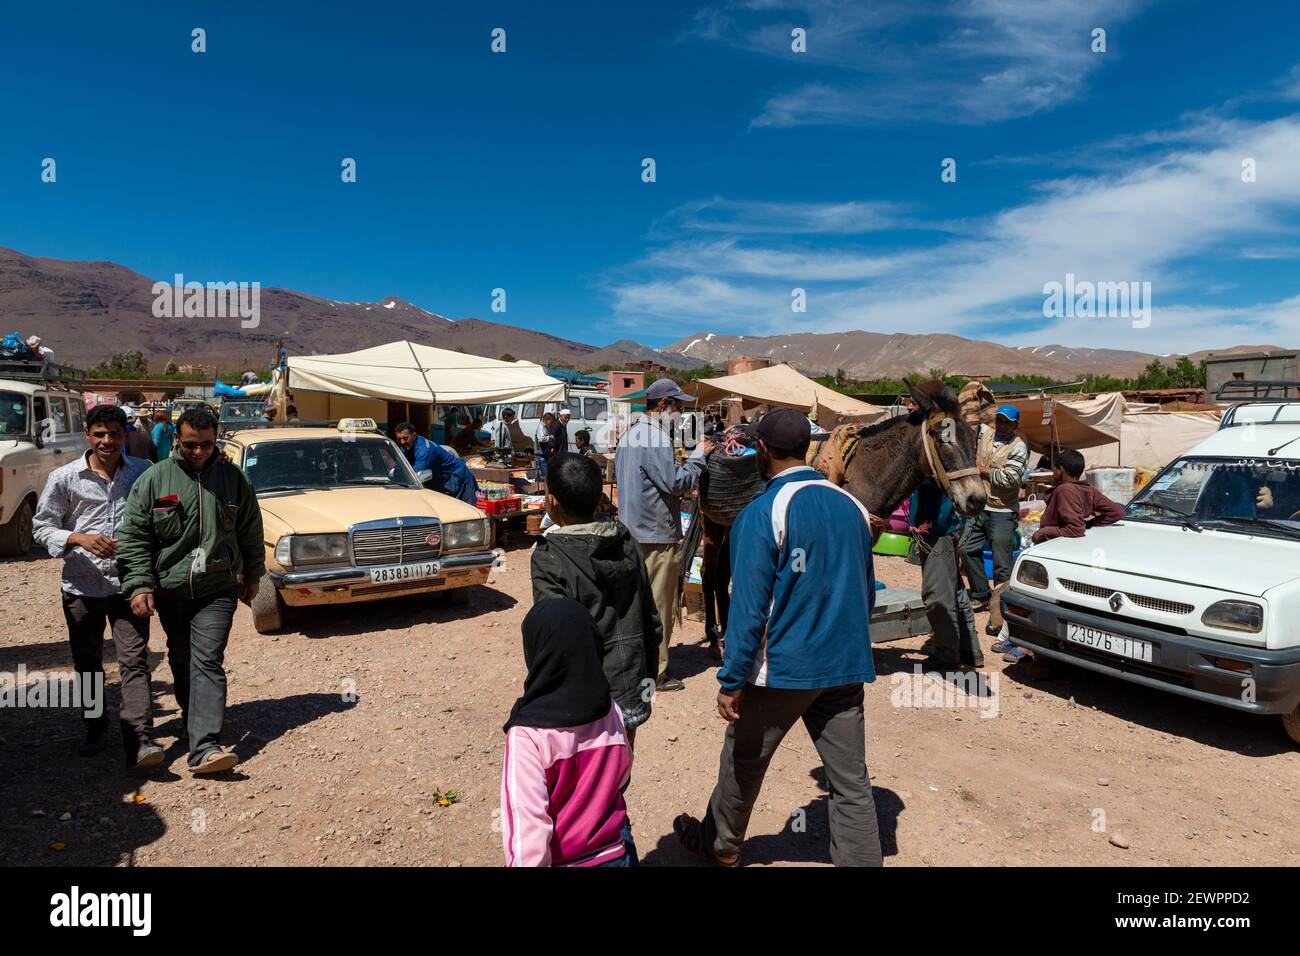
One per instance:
[(664, 571), (86, 617)]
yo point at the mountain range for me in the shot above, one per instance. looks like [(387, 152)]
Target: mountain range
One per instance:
[(86, 311)]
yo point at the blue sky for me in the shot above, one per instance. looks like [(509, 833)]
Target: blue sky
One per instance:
[(775, 169)]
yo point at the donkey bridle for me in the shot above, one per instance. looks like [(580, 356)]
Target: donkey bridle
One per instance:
[(944, 477)]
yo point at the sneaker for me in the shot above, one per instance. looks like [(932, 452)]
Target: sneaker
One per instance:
[(149, 755), (93, 743), (215, 761), (670, 683), (1001, 647)]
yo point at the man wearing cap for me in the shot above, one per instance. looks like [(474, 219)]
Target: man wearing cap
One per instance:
[(650, 489), (798, 649), (1001, 456)]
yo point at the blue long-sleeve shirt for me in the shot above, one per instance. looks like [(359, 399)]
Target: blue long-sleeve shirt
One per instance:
[(450, 474), (800, 612), (930, 504)]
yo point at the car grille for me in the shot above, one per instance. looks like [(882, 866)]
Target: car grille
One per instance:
[(394, 541), (1141, 600)]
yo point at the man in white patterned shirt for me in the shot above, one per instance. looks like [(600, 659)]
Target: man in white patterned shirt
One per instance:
[(77, 520)]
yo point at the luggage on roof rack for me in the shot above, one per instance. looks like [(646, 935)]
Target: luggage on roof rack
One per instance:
[(35, 370)]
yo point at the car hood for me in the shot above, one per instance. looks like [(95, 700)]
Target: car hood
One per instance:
[(335, 509), (1244, 563)]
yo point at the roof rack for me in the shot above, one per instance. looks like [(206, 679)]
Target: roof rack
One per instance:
[(35, 370), (1243, 390)]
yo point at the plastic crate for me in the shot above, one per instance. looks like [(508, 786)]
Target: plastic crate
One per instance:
[(501, 506)]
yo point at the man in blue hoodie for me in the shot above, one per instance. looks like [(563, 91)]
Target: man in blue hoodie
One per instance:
[(798, 648)]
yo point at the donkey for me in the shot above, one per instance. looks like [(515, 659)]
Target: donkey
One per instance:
[(886, 462)]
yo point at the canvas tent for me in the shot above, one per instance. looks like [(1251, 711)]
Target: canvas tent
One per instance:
[(1111, 432), (782, 386), (1074, 424), (1152, 439), (406, 372)]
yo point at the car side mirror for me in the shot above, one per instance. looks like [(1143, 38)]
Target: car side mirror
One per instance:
[(424, 474)]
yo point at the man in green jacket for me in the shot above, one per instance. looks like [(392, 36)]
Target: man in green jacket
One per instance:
[(189, 547)]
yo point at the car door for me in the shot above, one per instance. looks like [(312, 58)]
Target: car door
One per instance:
[(67, 440)]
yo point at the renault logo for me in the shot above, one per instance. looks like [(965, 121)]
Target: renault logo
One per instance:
[(1116, 601)]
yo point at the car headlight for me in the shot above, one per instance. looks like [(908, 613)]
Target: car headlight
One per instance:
[(316, 549), (465, 534), (1033, 574), (283, 554), (1234, 616)]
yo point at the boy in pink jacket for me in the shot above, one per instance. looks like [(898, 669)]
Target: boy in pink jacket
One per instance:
[(567, 758)]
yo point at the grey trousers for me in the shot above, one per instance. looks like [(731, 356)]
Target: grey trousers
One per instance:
[(197, 632), (834, 720), (948, 606), (86, 617)]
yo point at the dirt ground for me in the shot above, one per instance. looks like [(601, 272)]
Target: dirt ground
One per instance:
[(1071, 765)]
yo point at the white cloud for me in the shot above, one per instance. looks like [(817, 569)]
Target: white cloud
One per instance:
[(966, 61), (1142, 224), (738, 217)]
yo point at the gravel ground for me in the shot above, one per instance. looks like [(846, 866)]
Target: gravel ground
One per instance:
[(1073, 768)]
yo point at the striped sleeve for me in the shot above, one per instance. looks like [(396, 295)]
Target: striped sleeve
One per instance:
[(526, 824)]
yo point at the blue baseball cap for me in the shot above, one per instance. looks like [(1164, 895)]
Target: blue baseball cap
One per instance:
[(1009, 412)]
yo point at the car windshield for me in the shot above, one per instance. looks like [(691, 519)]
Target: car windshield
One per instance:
[(13, 413), (1244, 495), (326, 463)]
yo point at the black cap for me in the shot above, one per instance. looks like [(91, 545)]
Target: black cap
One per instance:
[(784, 429)]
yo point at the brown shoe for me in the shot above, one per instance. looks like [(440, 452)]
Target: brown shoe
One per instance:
[(215, 761)]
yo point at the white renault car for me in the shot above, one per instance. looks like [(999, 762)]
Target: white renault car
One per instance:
[(1196, 591)]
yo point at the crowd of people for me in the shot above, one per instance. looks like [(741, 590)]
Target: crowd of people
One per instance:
[(181, 538)]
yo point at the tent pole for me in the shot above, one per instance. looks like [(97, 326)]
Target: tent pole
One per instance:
[(433, 396)]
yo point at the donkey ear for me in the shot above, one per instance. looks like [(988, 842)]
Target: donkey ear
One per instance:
[(922, 400)]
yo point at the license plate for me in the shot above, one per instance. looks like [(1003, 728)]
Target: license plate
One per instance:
[(1110, 643), (404, 572)]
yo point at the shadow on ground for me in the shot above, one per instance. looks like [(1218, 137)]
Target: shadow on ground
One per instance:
[(805, 838)]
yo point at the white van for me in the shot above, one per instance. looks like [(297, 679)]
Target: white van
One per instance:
[(593, 410), (1196, 591), (41, 428)]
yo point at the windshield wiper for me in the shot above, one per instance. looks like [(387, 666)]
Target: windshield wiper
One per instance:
[(1269, 523), (267, 488), (1189, 521)]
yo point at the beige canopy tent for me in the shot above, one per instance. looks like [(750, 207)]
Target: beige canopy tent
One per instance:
[(1112, 432), (406, 372), (1073, 424), (1152, 439), (781, 385)]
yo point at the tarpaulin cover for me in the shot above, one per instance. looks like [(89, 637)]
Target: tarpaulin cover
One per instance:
[(406, 372), (782, 386)]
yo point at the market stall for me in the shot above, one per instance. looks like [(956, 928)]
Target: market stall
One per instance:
[(784, 387), (404, 381)]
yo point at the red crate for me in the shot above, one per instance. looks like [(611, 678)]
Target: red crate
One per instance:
[(501, 506)]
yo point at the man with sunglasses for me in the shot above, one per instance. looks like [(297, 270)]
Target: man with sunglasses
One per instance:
[(190, 547)]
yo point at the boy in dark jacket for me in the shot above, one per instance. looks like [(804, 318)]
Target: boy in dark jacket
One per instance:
[(189, 546), (599, 565), (1073, 505)]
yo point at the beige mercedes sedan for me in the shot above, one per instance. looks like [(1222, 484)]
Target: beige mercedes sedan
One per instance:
[(345, 519)]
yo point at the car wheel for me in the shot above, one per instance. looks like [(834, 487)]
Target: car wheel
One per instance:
[(268, 608), (16, 535), (1291, 722)]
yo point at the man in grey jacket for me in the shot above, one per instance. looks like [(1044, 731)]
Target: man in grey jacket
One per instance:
[(650, 489)]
